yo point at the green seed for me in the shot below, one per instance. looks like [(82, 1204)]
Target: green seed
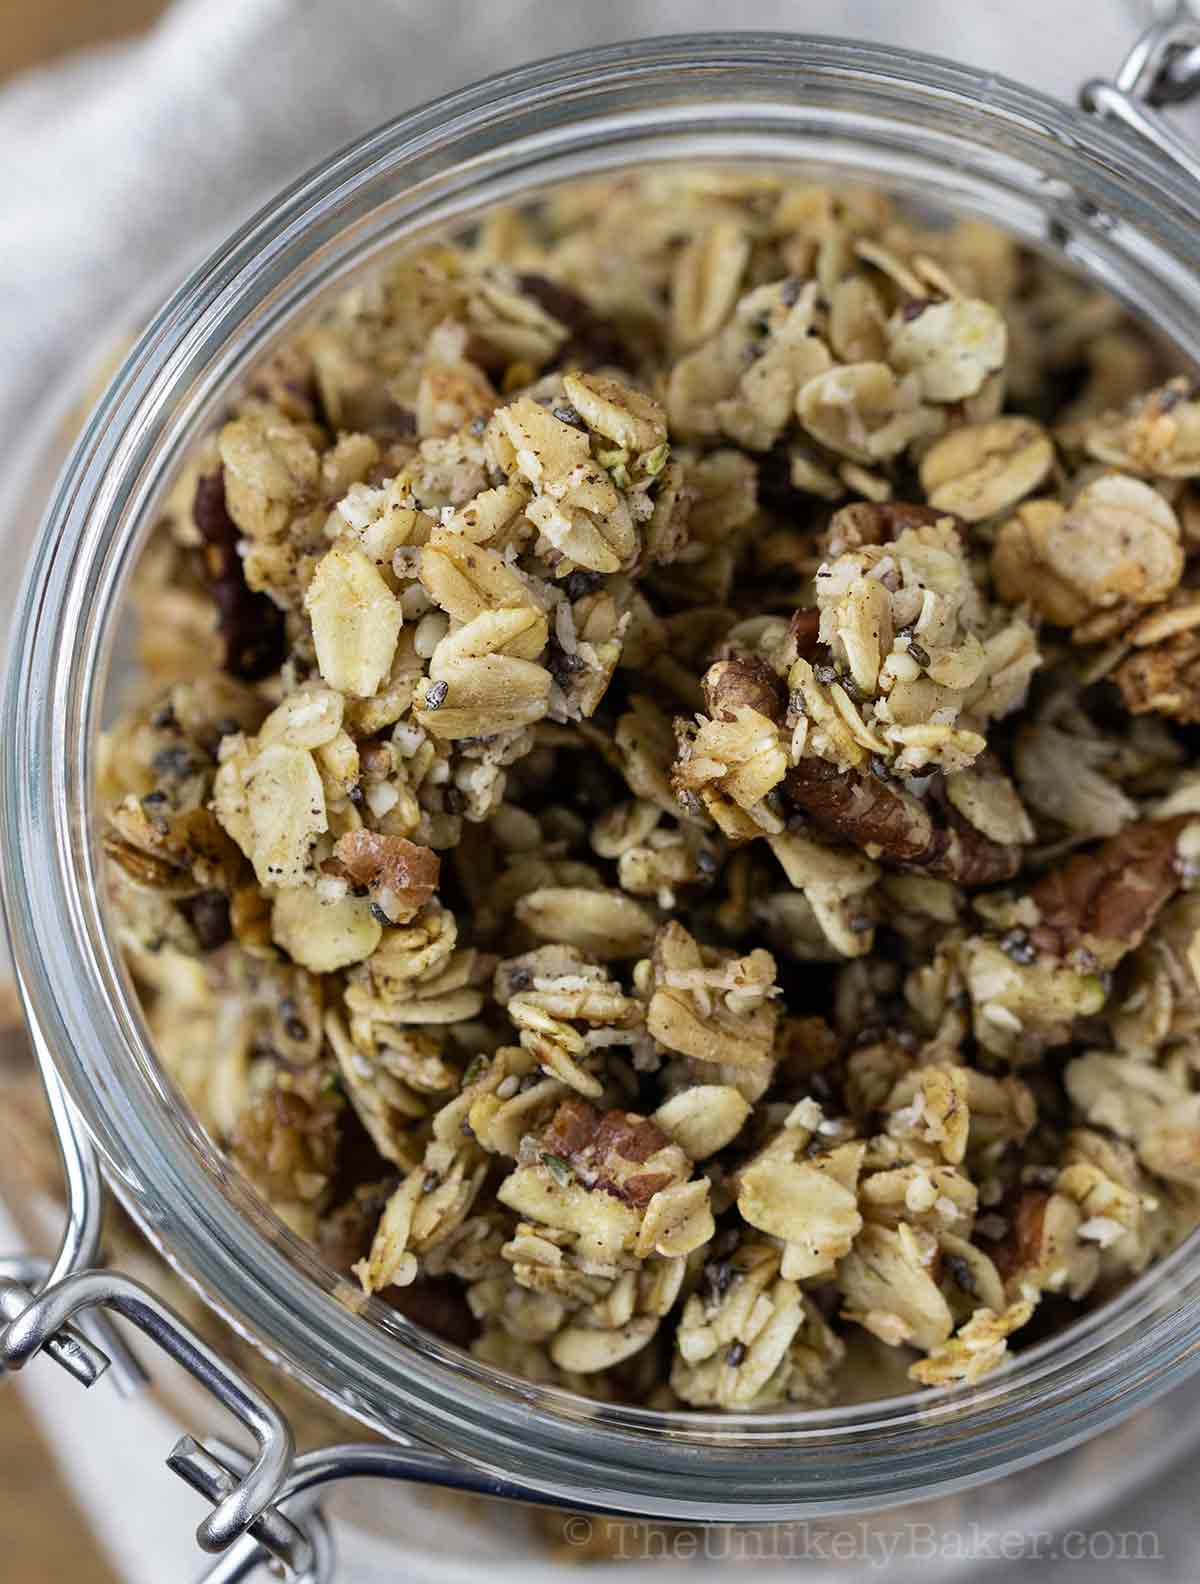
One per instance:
[(562, 1171), (476, 1068)]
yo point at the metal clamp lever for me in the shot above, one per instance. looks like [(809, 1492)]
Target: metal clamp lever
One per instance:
[(246, 1523), (72, 1289), (1162, 69), (243, 1506)]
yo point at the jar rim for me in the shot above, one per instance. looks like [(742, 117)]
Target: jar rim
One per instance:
[(1075, 183)]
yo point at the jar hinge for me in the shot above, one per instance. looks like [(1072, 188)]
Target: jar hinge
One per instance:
[(1162, 69), (62, 1309)]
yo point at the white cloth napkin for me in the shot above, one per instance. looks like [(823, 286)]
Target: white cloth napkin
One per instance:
[(120, 166)]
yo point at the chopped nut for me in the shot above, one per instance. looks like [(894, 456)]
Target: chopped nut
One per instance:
[(408, 872), (875, 816), (1109, 898)]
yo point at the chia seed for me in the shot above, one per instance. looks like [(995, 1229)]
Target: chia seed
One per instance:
[(918, 651), (852, 690), (719, 1276)]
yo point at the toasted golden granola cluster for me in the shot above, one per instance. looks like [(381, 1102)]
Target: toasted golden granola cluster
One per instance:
[(657, 824)]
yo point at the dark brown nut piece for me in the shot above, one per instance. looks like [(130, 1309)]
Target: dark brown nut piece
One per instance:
[(874, 523), (287, 1144), (874, 815), (601, 1146), (391, 863), (730, 685), (251, 625), (593, 340), (804, 631), (577, 1128), (1019, 1249), (1107, 899)]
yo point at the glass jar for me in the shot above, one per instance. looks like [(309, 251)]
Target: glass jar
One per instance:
[(941, 136)]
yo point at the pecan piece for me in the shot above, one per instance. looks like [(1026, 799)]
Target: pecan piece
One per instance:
[(1040, 1244), (730, 685), (600, 1146), (572, 1129), (639, 1189), (409, 872), (634, 1138), (1109, 896), (874, 814), (251, 624), (1021, 1246)]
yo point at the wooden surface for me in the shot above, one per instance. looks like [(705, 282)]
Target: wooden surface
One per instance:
[(43, 1536), (33, 31)]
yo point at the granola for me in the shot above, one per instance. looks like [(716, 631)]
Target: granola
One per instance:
[(656, 814)]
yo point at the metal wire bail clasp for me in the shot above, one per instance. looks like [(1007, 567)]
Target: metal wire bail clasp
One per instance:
[(33, 1321), (1162, 69), (242, 1505)]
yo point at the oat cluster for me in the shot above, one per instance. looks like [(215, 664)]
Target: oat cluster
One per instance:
[(658, 824)]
